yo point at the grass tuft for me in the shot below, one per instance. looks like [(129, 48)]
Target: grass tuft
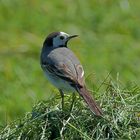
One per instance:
[(121, 118)]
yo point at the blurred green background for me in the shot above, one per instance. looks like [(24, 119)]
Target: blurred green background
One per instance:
[(109, 41)]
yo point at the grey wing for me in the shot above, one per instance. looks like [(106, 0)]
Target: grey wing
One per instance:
[(66, 66)]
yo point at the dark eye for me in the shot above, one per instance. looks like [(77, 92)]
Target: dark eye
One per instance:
[(62, 37)]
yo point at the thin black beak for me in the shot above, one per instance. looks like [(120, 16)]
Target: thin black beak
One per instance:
[(72, 36)]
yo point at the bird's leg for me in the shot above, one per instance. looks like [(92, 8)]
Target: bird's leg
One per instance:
[(73, 100), (62, 97)]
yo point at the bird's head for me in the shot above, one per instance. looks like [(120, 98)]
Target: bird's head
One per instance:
[(58, 39)]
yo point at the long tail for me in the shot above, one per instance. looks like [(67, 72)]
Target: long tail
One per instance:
[(86, 95)]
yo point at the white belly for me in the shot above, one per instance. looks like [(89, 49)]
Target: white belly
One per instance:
[(60, 83)]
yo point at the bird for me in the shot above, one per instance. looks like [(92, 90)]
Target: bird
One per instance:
[(63, 69)]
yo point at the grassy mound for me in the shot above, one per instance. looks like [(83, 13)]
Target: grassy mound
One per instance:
[(121, 118)]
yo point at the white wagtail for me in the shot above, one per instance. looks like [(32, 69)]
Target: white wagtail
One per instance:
[(64, 70)]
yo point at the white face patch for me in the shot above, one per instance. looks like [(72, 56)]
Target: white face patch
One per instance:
[(60, 40), (63, 33)]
